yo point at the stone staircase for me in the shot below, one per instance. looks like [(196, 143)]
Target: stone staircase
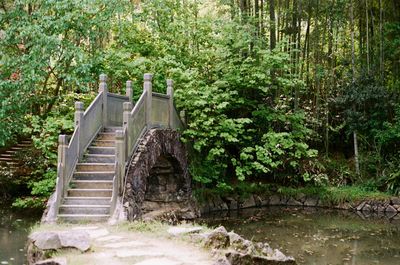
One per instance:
[(8, 157), (89, 194)]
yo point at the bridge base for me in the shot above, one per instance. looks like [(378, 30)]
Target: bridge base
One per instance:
[(158, 181)]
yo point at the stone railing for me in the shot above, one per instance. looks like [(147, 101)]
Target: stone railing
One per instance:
[(108, 109), (105, 110), (152, 110)]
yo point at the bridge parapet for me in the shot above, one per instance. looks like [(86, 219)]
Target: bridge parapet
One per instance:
[(109, 109)]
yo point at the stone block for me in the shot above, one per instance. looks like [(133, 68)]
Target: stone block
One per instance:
[(274, 200), (311, 201), (366, 208), (249, 202), (293, 202)]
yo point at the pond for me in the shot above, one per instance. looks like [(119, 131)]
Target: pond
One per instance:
[(14, 230), (317, 236)]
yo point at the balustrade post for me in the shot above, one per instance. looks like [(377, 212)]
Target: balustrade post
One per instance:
[(103, 88), (148, 87), (79, 110), (170, 93), (182, 115), (62, 147), (129, 91), (120, 157), (127, 106)]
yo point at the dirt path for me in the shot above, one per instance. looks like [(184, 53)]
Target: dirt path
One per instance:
[(110, 247)]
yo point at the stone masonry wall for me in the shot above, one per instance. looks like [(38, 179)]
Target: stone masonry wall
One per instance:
[(160, 150), (389, 208)]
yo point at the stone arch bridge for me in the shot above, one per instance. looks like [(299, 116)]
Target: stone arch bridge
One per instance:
[(123, 159)]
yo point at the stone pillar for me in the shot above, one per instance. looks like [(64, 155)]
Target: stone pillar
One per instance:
[(148, 87), (62, 146), (182, 115), (170, 93), (127, 106), (126, 124), (103, 88), (79, 110), (120, 158), (129, 92)]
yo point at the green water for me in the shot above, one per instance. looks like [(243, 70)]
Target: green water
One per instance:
[(316, 236), (14, 229)]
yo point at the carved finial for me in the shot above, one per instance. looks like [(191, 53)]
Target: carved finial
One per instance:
[(79, 106), (103, 78), (148, 77), (62, 139), (170, 82), (127, 106)]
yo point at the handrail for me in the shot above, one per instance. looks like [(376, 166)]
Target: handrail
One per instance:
[(138, 103), (92, 104)]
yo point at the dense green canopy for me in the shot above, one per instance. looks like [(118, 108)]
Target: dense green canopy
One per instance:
[(290, 91)]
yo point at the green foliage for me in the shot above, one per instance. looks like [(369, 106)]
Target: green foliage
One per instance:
[(49, 49)]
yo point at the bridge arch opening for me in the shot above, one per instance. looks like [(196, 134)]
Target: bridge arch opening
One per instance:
[(165, 183)]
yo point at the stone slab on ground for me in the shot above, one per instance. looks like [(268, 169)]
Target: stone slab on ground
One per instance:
[(176, 230)]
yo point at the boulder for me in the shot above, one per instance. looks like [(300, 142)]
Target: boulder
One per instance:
[(45, 240), (240, 244), (218, 238), (75, 239), (42, 244)]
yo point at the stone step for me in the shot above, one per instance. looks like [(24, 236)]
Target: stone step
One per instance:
[(89, 192), (6, 155), (98, 175), (26, 142), (85, 209), (12, 152), (99, 158), (91, 184), (106, 143), (111, 129), (87, 201), (7, 159), (106, 136), (16, 148), (81, 167), (24, 145), (77, 218), (101, 150)]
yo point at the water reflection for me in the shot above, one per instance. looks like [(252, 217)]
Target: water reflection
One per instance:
[(14, 229), (317, 236)]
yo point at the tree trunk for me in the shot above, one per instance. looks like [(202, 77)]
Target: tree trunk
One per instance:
[(355, 142), (367, 31), (272, 39)]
